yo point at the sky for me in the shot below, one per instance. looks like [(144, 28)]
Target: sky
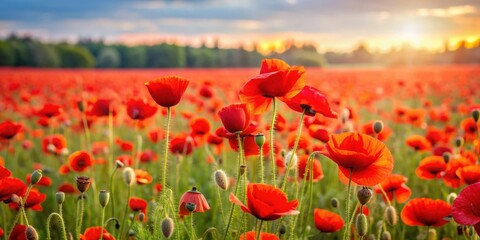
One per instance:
[(333, 25)]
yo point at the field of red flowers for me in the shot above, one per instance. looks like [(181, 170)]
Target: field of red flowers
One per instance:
[(276, 152)]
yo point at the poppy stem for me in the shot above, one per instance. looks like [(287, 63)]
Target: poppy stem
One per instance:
[(346, 234), (272, 151), (86, 129), (194, 236), (294, 150), (62, 226), (125, 214), (112, 192), (102, 222), (384, 195), (165, 154), (262, 177), (259, 230), (110, 139)]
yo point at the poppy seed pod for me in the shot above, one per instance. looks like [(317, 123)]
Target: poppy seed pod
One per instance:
[(194, 197), (104, 197), (141, 216), (291, 156), (31, 233), (377, 126), (81, 106), (459, 141), (119, 164), (60, 197), (361, 224), (260, 139), (282, 230), (446, 157), (451, 197), (386, 236), (191, 207), (334, 202), (167, 227), (129, 176), (371, 237), (83, 183), (476, 115), (364, 195), (36, 176), (221, 179), (391, 215)]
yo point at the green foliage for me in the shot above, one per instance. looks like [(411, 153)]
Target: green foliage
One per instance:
[(133, 57), (108, 58), (7, 54), (75, 57)]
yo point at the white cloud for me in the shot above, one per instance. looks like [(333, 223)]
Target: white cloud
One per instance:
[(447, 12)]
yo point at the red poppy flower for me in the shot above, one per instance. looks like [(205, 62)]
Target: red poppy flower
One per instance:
[(304, 143), (365, 210), (18, 232), (394, 186), (56, 144), (44, 181), (137, 204), (469, 174), (419, 143), (367, 128), (94, 233), (302, 168), (4, 172), (101, 107), (431, 167), (143, 177), (435, 135), (312, 101), (64, 169), (327, 221), (319, 132), (250, 147), (126, 146), (252, 235), (206, 91), (1, 232), (9, 129), (157, 188), (195, 197), (182, 144), (167, 91), (99, 148), (67, 188), (9, 186), (276, 79), (280, 123), (266, 202), (200, 126), (450, 178), (156, 134), (35, 198), (235, 117), (80, 161), (125, 159), (367, 158), (139, 109), (466, 205), (49, 110), (148, 156), (469, 127), (425, 212)]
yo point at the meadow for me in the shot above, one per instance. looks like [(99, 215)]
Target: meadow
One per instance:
[(149, 161)]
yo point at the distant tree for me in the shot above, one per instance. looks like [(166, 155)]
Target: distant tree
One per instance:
[(7, 54), (108, 58), (44, 55), (134, 57), (166, 56), (202, 58), (75, 57)]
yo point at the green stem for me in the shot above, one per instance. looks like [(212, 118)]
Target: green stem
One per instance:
[(259, 230), (112, 193), (262, 178), (294, 150), (272, 150), (384, 195), (192, 230), (124, 214), (62, 226), (80, 214), (165, 153), (101, 222), (221, 206), (110, 140), (86, 129), (346, 235)]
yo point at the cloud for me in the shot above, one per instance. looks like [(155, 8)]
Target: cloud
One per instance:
[(447, 12)]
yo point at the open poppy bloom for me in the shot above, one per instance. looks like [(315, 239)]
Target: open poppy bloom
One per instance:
[(469, 127), (276, 79), (394, 186), (425, 212), (139, 109), (93, 233), (431, 167), (18, 232), (466, 205), (450, 177), (101, 108), (367, 128), (9, 186), (312, 101), (44, 181), (366, 159), (250, 148), (195, 197), (326, 221), (266, 202), (235, 117), (200, 126), (263, 236), (182, 144), (167, 91), (137, 204), (9, 129), (49, 110), (143, 177), (35, 198), (303, 168), (56, 144), (469, 174), (80, 161), (419, 143)]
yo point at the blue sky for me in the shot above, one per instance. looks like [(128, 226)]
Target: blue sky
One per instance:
[(338, 25)]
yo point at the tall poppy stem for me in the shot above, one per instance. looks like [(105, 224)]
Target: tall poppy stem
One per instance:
[(272, 151), (259, 230), (102, 222), (262, 178), (165, 153), (62, 226), (110, 139), (294, 150), (112, 193), (124, 214), (346, 234)]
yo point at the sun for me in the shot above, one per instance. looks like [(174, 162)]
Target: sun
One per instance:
[(411, 34)]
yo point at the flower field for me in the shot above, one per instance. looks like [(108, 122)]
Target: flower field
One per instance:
[(275, 152)]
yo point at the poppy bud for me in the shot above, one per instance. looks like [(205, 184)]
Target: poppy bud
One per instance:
[(371, 237), (334, 202), (391, 215), (451, 197), (476, 115), (119, 164), (283, 152), (386, 236), (14, 199), (446, 157), (221, 179), (377, 126), (83, 183), (51, 148), (191, 207), (60, 197), (65, 151), (291, 156), (282, 230), (36, 176), (141, 216), (459, 141), (260, 139), (31, 233), (432, 234), (243, 168), (104, 197), (131, 233), (361, 224), (129, 176), (364, 195), (167, 227), (80, 106)]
